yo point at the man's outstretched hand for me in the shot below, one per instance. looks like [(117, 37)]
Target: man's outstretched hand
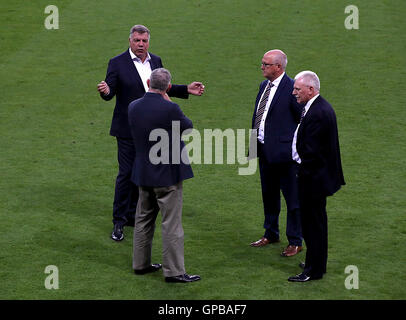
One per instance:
[(196, 88)]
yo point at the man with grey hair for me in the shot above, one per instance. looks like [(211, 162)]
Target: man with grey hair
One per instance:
[(160, 182), (275, 118), (316, 149), (126, 79)]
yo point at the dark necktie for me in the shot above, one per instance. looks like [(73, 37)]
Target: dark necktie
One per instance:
[(262, 104), (302, 115)]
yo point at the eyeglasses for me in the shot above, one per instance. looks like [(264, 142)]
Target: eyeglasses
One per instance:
[(263, 64)]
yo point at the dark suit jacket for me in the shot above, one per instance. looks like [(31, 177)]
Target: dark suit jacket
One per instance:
[(318, 148), (154, 112), (126, 84), (280, 123)]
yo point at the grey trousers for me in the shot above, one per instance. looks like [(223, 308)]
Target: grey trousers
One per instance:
[(169, 201)]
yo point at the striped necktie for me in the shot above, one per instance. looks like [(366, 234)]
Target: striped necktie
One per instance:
[(262, 105)]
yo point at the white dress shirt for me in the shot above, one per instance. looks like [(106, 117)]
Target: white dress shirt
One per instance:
[(295, 155), (143, 68), (261, 129)]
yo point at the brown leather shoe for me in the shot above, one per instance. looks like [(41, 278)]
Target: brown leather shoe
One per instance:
[(262, 242), (291, 251)]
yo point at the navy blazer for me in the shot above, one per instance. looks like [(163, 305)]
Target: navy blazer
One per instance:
[(319, 150), (125, 83), (145, 115), (280, 123)]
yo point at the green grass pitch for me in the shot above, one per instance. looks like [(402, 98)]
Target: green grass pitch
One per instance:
[(58, 163)]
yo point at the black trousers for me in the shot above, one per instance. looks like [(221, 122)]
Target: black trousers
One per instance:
[(126, 193), (274, 179), (314, 229)]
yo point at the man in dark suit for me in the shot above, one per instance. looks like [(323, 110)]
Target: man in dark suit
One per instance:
[(126, 79), (159, 171), (316, 149), (275, 117)]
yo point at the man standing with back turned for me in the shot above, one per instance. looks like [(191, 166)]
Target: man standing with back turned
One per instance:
[(316, 149), (275, 117), (126, 79), (159, 173)]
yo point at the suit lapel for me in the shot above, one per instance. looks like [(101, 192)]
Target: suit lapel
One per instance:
[(308, 114), (278, 92), (153, 63), (133, 70)]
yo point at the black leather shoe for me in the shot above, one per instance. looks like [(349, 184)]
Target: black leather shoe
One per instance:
[(302, 265), (183, 278), (302, 277), (152, 268), (117, 234)]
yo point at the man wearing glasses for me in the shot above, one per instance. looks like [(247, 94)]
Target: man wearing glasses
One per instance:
[(275, 118)]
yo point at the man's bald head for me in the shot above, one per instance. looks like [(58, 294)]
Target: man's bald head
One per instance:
[(278, 57), (274, 64)]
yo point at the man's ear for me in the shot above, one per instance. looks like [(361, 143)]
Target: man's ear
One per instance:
[(169, 87), (148, 82)]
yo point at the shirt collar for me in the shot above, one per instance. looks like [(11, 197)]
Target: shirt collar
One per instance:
[(309, 103), (134, 57), (277, 80)]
